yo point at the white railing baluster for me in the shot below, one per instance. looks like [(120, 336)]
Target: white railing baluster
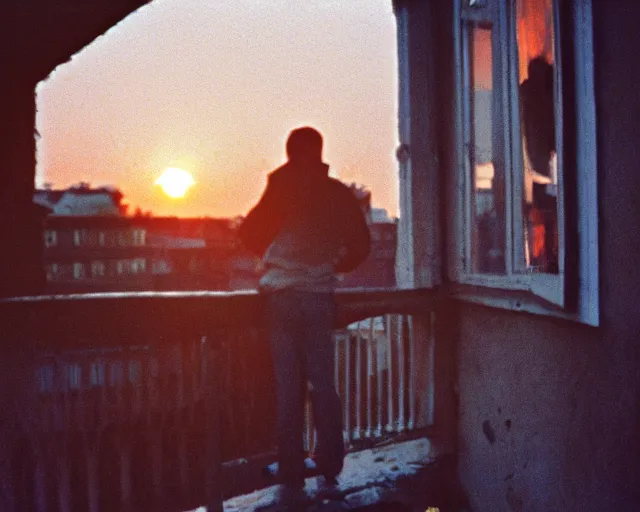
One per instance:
[(347, 387), (379, 351), (358, 427), (368, 432), (412, 377), (390, 424), (401, 368)]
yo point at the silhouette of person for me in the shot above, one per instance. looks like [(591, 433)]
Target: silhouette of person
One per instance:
[(307, 227), (538, 118), (538, 127)]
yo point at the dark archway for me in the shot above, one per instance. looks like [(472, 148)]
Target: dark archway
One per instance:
[(35, 38)]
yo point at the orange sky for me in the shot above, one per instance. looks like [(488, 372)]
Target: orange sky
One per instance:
[(214, 87)]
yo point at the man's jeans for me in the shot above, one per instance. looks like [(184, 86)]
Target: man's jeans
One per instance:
[(300, 333)]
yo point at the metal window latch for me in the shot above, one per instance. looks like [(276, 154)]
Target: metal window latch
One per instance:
[(403, 153)]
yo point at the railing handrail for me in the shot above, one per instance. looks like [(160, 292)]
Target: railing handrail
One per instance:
[(115, 318)]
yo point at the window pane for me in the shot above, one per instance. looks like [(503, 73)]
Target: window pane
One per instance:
[(487, 184), (535, 37)]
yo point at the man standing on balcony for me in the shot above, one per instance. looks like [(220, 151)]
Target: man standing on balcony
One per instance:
[(307, 227)]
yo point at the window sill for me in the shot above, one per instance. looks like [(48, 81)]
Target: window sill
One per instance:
[(511, 300), (494, 281)]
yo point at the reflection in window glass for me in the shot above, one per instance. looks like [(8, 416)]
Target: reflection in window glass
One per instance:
[(487, 195), (537, 120)]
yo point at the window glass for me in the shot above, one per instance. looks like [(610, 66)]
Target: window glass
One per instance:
[(97, 268), (138, 265), (487, 208), (510, 186), (537, 76), (139, 236), (53, 272), (78, 271), (50, 238), (74, 375)]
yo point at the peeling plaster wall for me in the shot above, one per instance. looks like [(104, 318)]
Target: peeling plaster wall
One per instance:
[(549, 411), (536, 415)]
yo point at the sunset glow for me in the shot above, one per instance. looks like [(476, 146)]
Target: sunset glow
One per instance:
[(175, 182), (215, 87)]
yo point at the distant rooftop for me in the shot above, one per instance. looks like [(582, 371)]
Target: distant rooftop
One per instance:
[(381, 216), (81, 200)]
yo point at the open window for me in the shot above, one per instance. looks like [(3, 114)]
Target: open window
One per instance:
[(521, 190)]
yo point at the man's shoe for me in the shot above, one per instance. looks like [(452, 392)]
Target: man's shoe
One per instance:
[(329, 489), (329, 473), (272, 471), (331, 480)]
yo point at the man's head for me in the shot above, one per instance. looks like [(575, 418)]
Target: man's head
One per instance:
[(304, 145)]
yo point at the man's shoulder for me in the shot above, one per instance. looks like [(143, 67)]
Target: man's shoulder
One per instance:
[(338, 187), (278, 173), (343, 195)]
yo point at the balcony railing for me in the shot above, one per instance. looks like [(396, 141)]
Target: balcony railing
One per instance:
[(134, 401)]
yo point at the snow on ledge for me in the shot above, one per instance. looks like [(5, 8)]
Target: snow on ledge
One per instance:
[(364, 469)]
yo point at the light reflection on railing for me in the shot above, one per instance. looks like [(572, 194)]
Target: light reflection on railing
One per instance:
[(372, 356)]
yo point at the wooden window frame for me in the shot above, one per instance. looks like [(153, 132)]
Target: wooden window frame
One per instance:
[(572, 295)]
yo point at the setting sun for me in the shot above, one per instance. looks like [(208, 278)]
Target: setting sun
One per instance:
[(175, 182)]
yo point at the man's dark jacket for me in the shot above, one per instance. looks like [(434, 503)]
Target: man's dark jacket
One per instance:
[(314, 216)]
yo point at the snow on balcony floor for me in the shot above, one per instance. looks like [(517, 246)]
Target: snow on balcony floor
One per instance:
[(369, 476)]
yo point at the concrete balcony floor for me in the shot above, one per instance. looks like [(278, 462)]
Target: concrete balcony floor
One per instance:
[(405, 476)]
